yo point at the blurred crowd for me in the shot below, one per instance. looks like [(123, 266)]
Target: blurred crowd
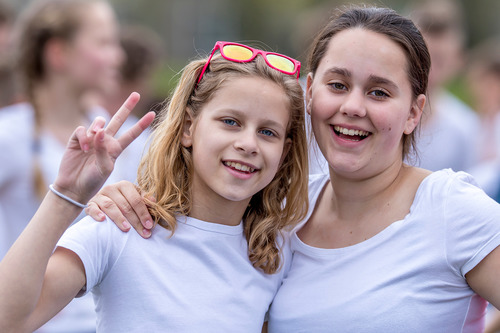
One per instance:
[(63, 62), (460, 127)]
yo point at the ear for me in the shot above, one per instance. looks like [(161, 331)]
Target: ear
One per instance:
[(55, 53), (286, 148), (309, 93), (187, 129), (415, 114)]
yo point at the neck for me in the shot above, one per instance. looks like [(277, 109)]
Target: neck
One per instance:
[(59, 108), (354, 199), (219, 211)]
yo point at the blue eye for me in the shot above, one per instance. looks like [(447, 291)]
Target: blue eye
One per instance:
[(267, 132), (229, 122)]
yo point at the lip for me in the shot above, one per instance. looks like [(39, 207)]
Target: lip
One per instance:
[(345, 139), (240, 169)]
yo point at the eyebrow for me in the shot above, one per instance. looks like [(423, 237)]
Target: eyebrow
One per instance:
[(384, 81), (340, 71)]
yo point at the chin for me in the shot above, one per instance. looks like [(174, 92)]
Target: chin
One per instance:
[(345, 169)]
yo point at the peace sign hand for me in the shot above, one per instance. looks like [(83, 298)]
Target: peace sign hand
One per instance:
[(91, 153)]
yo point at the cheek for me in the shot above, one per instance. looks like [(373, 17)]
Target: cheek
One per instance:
[(276, 158), (98, 60), (391, 127), (97, 55), (323, 107), (95, 69)]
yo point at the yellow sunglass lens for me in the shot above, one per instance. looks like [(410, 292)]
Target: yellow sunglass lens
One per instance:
[(237, 52), (281, 63)]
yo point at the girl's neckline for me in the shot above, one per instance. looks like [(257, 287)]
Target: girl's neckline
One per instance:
[(384, 233)]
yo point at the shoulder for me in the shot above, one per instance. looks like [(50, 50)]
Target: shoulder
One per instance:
[(91, 239), (88, 230), (457, 196), (16, 111), (446, 179), (15, 117), (16, 135), (16, 122)]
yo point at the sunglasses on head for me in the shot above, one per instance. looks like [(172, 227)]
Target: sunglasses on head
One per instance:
[(242, 53)]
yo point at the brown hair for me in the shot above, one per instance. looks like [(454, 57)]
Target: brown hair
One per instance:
[(143, 49), (166, 169), (41, 22), (387, 22)]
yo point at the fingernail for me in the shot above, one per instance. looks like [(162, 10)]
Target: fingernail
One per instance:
[(148, 224), (85, 147), (146, 232), (101, 216), (126, 225)]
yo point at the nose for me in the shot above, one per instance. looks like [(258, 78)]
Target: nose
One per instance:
[(247, 142), (354, 104)]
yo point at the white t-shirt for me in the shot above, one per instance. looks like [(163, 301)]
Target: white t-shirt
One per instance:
[(199, 280), (18, 201), (410, 277)]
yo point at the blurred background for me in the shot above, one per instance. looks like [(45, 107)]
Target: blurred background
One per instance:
[(189, 27)]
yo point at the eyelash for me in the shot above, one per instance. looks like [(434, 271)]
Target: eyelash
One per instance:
[(338, 86), (226, 121), (375, 92), (271, 133), (266, 132)]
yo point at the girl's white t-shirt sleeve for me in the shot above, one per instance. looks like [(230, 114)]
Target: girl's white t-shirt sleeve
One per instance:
[(472, 223), (97, 244)]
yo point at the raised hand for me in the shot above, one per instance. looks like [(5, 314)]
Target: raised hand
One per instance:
[(91, 153)]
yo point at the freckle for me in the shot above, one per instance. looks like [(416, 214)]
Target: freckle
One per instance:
[(350, 232)]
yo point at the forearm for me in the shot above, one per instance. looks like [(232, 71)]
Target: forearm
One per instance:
[(23, 268)]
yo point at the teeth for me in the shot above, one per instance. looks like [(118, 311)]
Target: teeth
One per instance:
[(350, 132), (239, 166)]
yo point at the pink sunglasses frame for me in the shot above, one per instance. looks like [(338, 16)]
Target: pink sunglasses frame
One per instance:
[(219, 45)]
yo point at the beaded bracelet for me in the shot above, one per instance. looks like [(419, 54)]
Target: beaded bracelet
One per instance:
[(59, 194)]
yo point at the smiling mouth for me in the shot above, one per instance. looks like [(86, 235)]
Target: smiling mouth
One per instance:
[(350, 134), (239, 167)]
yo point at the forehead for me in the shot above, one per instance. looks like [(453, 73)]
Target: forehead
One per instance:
[(97, 16), (251, 98), (365, 52)]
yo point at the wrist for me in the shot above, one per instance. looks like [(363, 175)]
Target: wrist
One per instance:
[(66, 197)]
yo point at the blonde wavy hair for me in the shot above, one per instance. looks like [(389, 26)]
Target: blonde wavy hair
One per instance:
[(165, 172)]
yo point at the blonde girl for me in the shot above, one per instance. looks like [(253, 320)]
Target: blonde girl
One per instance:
[(227, 166)]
